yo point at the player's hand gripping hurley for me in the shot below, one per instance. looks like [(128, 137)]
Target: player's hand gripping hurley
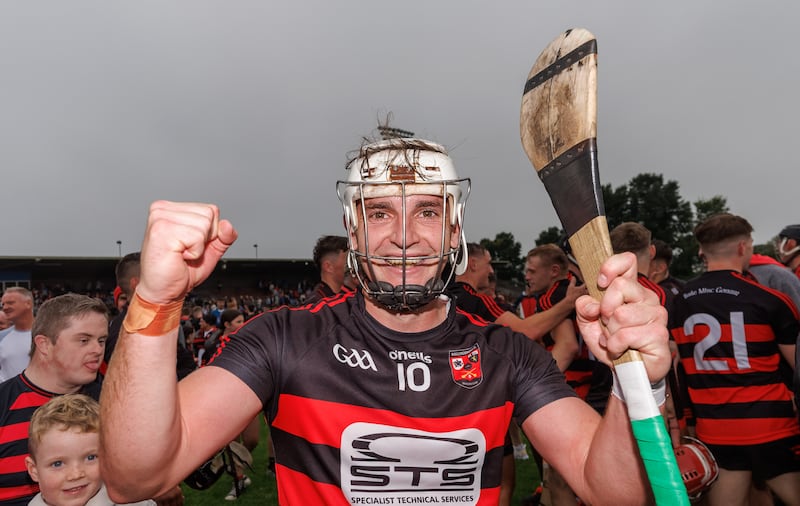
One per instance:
[(558, 125)]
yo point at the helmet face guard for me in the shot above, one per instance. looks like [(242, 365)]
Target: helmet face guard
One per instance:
[(403, 168)]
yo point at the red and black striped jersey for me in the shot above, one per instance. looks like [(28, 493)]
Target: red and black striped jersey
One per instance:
[(321, 291), (527, 305), (360, 413), (728, 329), (19, 398), (579, 372), (654, 287), (467, 299)]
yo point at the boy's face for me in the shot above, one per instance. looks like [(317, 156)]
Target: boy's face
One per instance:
[(66, 466)]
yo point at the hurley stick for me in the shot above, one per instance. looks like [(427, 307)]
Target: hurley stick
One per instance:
[(558, 126)]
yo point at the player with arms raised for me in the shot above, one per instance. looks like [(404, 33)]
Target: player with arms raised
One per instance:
[(384, 393)]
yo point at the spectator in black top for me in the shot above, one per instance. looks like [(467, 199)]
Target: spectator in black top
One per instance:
[(330, 257)]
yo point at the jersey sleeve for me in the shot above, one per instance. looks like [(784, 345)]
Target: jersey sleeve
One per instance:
[(785, 323), (249, 353), (467, 299), (538, 381), (555, 294)]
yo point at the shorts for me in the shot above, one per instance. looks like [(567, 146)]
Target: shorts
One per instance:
[(765, 460)]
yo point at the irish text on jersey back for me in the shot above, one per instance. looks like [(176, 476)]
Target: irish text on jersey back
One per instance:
[(381, 464)]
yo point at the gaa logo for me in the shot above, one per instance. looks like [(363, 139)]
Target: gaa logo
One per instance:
[(353, 357), (380, 461)]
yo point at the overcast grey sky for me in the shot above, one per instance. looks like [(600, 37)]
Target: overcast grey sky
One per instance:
[(107, 106)]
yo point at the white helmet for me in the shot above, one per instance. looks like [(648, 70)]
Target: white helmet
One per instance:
[(403, 167)]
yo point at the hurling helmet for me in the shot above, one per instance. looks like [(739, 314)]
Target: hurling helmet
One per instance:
[(788, 232), (697, 465), (403, 167)]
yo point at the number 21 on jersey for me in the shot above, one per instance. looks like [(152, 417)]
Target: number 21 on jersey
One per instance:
[(715, 334)]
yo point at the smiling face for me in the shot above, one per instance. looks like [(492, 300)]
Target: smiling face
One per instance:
[(75, 356), (402, 245), (66, 466)]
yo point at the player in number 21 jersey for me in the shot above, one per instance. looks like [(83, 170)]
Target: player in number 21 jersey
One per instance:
[(732, 336), (728, 330)]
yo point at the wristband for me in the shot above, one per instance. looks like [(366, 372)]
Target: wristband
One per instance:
[(659, 390), (150, 319), (616, 388)]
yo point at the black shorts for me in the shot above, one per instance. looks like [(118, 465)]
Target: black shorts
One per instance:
[(765, 461)]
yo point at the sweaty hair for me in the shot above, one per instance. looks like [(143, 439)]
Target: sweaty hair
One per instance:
[(551, 254), (721, 227), (663, 251), (127, 268), (65, 412), (630, 236), (55, 314), (409, 147), (327, 245)]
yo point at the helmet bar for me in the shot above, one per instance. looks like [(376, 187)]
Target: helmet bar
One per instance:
[(403, 297)]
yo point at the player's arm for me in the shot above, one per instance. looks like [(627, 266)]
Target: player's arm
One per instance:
[(537, 325), (155, 432), (565, 347), (590, 452)]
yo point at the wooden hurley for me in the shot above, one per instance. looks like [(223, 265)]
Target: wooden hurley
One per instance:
[(558, 127)]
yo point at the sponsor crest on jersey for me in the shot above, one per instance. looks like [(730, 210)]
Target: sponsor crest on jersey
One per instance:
[(465, 366)]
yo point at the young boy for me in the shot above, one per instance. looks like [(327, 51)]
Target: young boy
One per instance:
[(64, 440)]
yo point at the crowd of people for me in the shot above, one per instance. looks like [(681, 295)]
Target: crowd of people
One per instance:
[(402, 374)]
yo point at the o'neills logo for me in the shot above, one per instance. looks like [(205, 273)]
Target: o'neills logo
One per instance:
[(402, 355), (465, 365)]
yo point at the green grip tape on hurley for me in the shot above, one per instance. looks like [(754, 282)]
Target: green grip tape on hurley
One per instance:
[(650, 432), (658, 456)]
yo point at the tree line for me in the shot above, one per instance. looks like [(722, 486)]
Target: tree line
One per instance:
[(646, 199)]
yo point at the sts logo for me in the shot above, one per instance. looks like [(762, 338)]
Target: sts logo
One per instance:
[(379, 462)]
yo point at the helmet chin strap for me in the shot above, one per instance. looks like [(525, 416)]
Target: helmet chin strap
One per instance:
[(401, 298), (404, 298), (461, 266)]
